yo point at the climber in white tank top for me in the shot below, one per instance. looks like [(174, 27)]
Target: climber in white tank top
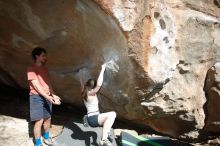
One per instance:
[(90, 99), (92, 105)]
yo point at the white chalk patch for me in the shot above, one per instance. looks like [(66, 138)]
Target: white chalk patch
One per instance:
[(63, 33), (217, 65), (112, 65)]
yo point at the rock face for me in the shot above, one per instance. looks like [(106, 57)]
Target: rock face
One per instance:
[(161, 51)]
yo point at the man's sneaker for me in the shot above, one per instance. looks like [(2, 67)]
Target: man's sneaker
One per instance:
[(105, 142), (40, 145), (48, 141)]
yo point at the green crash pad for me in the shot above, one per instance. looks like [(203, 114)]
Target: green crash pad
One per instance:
[(128, 139)]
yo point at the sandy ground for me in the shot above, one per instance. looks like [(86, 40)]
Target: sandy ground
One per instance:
[(14, 131)]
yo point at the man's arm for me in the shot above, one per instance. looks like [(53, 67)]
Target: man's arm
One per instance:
[(38, 88), (52, 92), (56, 98)]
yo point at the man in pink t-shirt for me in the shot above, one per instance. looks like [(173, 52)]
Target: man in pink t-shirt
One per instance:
[(41, 96)]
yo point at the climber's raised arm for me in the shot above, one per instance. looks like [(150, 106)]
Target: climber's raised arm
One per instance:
[(81, 80), (100, 79)]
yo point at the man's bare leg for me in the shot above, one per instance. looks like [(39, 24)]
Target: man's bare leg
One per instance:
[(37, 128), (47, 139), (37, 131), (46, 124)]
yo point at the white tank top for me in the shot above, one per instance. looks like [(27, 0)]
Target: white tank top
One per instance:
[(92, 105)]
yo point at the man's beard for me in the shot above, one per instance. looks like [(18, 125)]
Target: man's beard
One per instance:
[(43, 62)]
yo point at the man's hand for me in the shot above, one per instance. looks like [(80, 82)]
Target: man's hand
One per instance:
[(51, 99), (56, 100)]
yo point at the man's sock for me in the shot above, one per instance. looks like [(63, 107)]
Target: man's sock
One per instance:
[(37, 141), (46, 135)]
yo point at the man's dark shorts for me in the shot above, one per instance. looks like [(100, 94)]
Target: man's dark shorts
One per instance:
[(40, 108), (93, 120)]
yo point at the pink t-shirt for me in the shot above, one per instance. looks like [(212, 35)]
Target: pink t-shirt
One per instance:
[(39, 73)]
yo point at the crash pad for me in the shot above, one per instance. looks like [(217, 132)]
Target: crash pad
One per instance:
[(128, 139), (76, 134)]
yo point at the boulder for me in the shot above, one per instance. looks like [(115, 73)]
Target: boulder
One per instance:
[(161, 51)]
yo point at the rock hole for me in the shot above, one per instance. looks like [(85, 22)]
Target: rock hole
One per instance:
[(155, 50), (162, 24), (166, 40), (156, 14), (181, 62)]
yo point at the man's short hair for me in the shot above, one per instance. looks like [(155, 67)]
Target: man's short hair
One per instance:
[(37, 51)]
